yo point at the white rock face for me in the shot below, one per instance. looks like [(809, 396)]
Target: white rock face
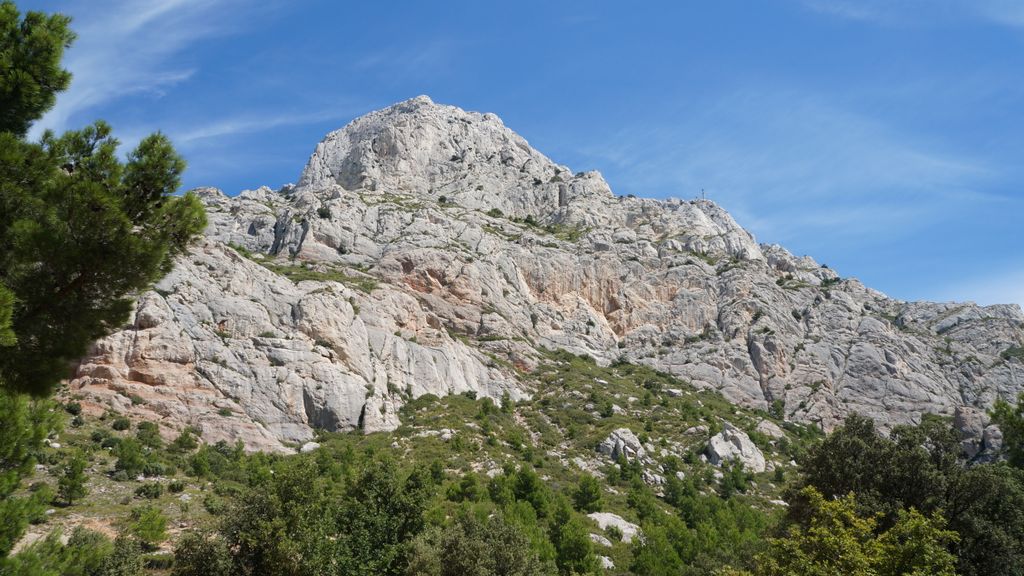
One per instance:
[(606, 519), (733, 445), (426, 241), (770, 429), (622, 442)]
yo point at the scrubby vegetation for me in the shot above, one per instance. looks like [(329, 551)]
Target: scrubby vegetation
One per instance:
[(473, 486)]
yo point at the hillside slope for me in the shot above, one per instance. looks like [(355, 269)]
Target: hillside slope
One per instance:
[(427, 249)]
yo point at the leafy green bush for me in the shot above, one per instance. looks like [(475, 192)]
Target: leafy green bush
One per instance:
[(587, 496), (199, 554), (151, 490), (149, 525), (130, 457)]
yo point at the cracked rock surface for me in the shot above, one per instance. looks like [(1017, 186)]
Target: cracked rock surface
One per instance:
[(430, 250)]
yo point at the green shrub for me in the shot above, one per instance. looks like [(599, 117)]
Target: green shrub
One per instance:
[(587, 496), (148, 433), (151, 490), (130, 457), (149, 525), (198, 554)]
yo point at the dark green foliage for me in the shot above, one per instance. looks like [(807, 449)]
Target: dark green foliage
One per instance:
[(130, 457), (151, 490), (735, 480), (295, 522), (148, 434), (917, 467), (710, 531), (587, 496), (84, 555), (1013, 352), (571, 538), (985, 507), (124, 560), (467, 489), (121, 423), (215, 461), (837, 540), (80, 231), (31, 76), (199, 554), (654, 554), (80, 234), (911, 468), (474, 547), (149, 525), (71, 485), (1010, 419), (185, 442), (25, 424)]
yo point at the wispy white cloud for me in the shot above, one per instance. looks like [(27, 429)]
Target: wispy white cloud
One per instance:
[(791, 165), (127, 47), (1001, 287), (253, 123), (922, 12), (408, 63)]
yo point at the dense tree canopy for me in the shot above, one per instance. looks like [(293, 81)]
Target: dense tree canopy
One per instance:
[(919, 467), (837, 540)]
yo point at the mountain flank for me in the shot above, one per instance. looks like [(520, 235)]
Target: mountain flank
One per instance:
[(431, 250)]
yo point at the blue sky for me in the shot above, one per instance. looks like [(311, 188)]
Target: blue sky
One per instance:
[(883, 137)]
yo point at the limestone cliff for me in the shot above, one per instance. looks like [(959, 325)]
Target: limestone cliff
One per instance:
[(427, 249)]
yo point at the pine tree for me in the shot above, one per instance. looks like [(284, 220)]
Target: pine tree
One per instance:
[(71, 485), (587, 496), (81, 233)]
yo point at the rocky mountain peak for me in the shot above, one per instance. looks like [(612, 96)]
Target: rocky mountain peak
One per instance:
[(431, 250), (444, 152)]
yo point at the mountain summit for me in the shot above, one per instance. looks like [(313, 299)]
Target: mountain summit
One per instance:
[(430, 250)]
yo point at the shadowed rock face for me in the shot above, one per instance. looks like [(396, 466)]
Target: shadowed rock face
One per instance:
[(431, 250)]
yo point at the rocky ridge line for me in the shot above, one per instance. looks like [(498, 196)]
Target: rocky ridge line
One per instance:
[(430, 250)]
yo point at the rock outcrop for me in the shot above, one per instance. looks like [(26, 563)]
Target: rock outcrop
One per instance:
[(733, 445), (622, 443), (605, 520), (430, 250)]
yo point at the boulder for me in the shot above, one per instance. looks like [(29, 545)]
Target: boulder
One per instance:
[(606, 519), (622, 442), (770, 429), (733, 445)]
